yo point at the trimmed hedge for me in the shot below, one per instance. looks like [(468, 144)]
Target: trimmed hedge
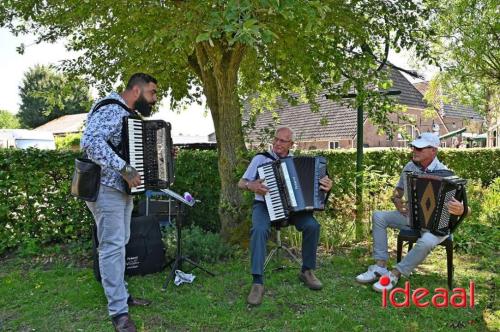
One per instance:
[(36, 207), (197, 173), (473, 164)]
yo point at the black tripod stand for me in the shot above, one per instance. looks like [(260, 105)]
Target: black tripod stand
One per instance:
[(179, 258)]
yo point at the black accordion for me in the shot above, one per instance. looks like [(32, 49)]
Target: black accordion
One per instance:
[(147, 146), (428, 196), (293, 184)]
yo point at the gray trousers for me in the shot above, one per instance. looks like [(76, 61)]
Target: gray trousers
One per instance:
[(383, 219), (112, 212), (261, 224)]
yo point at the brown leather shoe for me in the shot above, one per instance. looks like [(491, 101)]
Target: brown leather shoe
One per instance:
[(135, 301), (123, 324), (256, 294), (310, 280)]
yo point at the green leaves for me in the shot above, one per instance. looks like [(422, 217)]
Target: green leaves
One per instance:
[(203, 37), (35, 204), (297, 43), (8, 120), (467, 46), (307, 45), (47, 95), (36, 207)]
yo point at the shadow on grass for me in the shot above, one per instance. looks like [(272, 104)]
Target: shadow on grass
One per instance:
[(56, 292)]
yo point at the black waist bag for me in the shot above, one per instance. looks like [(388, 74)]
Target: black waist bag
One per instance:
[(145, 251), (87, 174), (86, 179)]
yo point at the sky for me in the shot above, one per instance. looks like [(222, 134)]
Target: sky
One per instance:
[(195, 120)]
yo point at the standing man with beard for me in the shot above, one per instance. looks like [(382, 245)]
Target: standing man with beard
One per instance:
[(113, 209)]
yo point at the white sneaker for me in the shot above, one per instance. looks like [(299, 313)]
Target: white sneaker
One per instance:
[(393, 280), (374, 272)]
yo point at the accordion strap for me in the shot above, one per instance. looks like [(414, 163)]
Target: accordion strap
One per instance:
[(109, 101), (466, 207), (267, 155)]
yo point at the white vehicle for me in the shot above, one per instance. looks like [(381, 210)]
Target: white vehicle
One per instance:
[(24, 138)]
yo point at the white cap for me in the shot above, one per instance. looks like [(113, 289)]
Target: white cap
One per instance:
[(425, 140)]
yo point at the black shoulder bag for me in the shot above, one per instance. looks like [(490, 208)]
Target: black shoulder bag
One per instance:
[(87, 175)]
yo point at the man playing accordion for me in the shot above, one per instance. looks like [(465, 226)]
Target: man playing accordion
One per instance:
[(303, 221), (113, 209), (424, 160)]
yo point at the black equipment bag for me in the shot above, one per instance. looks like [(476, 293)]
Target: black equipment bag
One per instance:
[(145, 251)]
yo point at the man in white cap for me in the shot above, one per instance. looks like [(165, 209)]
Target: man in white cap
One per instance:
[(424, 160)]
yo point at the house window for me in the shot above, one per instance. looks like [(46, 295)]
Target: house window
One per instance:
[(333, 145), (410, 132), (388, 135)]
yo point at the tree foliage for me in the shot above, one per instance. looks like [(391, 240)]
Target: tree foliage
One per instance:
[(228, 50), (8, 120), (47, 95), (468, 52)]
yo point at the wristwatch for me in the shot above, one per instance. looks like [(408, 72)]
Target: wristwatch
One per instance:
[(127, 169)]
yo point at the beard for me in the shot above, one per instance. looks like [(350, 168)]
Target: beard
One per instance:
[(143, 107)]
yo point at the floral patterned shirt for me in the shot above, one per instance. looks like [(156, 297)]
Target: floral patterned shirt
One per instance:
[(103, 125)]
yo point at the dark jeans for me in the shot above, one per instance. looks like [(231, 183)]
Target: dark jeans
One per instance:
[(261, 224)]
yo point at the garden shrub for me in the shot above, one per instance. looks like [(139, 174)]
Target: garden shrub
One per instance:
[(68, 142), (480, 232), (35, 204), (198, 244), (36, 207)]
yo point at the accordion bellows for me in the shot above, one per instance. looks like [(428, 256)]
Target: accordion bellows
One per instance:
[(147, 146), (428, 198), (293, 184)]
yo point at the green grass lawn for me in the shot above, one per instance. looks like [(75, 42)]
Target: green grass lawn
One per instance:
[(58, 293)]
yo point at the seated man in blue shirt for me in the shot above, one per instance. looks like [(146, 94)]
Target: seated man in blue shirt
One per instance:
[(304, 221), (424, 160)]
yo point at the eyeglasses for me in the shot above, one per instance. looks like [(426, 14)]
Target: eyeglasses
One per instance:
[(282, 141), (420, 149)]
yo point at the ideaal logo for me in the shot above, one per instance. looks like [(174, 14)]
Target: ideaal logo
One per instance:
[(440, 299)]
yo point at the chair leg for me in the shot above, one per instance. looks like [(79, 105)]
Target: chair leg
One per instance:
[(276, 250), (399, 250), (449, 263), (271, 254), (290, 253)]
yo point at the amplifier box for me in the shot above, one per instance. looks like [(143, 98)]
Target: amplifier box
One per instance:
[(161, 208)]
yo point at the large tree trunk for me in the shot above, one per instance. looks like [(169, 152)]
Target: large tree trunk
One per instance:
[(217, 66)]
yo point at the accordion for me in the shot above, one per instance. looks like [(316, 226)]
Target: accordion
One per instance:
[(428, 197), (147, 146), (293, 184)]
